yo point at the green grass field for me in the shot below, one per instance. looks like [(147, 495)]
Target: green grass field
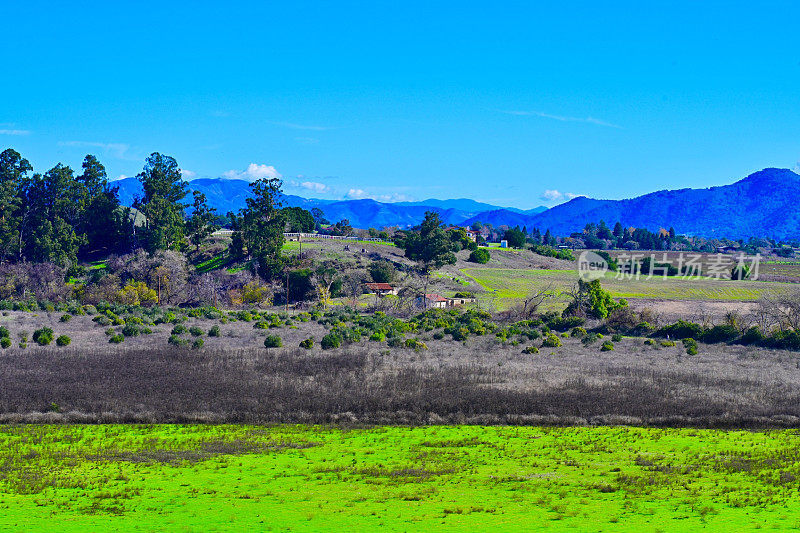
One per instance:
[(507, 286), (246, 478)]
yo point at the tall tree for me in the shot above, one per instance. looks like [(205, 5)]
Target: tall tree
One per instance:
[(164, 188), (54, 201), (261, 226), (202, 222), (102, 220), (13, 178), (429, 247)]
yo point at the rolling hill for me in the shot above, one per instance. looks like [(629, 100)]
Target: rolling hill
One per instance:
[(763, 204)]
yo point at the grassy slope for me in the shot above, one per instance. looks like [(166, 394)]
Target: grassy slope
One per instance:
[(205, 478), (507, 285)]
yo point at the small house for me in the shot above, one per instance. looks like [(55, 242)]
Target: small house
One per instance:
[(381, 289), (432, 301), (458, 301)]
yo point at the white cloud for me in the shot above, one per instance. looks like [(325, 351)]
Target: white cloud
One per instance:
[(118, 150), (356, 194), (188, 174), (562, 118), (554, 195), (253, 172), (121, 177), (797, 168), (360, 194), (15, 132), (313, 186)]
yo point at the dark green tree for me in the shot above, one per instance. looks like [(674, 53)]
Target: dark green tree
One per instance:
[(164, 188), (515, 237), (202, 222), (104, 223), (261, 227), (298, 220), (13, 179), (430, 247), (54, 201)]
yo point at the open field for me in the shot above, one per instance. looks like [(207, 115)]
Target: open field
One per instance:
[(507, 286), (464, 478), (482, 380)]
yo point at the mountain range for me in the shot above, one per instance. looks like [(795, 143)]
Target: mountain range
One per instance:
[(229, 195), (764, 204)]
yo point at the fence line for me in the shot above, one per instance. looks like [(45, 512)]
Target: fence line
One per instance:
[(313, 236)]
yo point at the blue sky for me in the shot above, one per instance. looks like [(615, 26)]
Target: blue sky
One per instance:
[(514, 103)]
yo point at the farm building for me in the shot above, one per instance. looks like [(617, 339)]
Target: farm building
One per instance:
[(432, 301), (381, 289), (458, 301)]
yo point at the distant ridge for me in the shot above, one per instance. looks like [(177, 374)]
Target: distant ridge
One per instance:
[(229, 195), (764, 204)]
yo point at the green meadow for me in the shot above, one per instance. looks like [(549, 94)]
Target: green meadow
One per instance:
[(507, 286), (467, 478)]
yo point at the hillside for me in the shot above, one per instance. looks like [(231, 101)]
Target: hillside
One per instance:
[(761, 205), (229, 195)]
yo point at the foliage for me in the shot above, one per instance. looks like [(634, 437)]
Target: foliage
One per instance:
[(690, 345), (551, 341), (116, 339), (43, 336), (164, 189), (273, 341), (307, 343), (214, 331), (382, 272), (63, 340), (430, 246), (607, 346), (331, 340), (589, 299), (298, 220), (681, 330), (481, 255), (530, 350), (202, 222), (260, 227)]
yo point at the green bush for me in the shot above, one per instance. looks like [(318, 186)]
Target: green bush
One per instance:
[(5, 342), (43, 336), (616, 337), (590, 338), (331, 340), (607, 346), (214, 331), (752, 336), (131, 330), (65, 318), (650, 342), (578, 332), (531, 349), (721, 333), (196, 331), (116, 339), (63, 340), (551, 341), (174, 340), (273, 341), (691, 346), (101, 320), (307, 344), (681, 330), (667, 344), (415, 344), (198, 343), (179, 329), (4, 332), (481, 255)]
